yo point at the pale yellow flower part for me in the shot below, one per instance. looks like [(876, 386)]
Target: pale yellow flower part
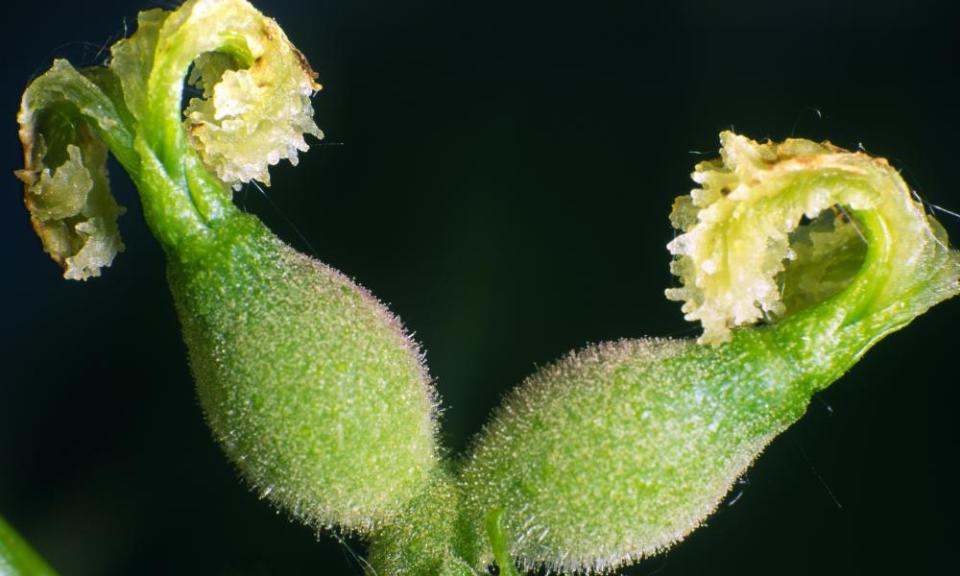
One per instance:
[(736, 244), (253, 114)]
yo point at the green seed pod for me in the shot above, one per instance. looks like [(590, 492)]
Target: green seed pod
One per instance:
[(311, 386), (620, 450), (308, 382)]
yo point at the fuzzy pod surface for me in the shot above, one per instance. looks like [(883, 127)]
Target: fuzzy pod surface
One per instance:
[(428, 538), (618, 451), (309, 383), (311, 386)]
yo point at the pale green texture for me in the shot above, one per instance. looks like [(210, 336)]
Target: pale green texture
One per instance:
[(310, 384), (427, 538), (131, 59), (618, 451), (312, 387)]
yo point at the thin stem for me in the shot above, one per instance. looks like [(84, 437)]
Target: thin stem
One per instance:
[(498, 541)]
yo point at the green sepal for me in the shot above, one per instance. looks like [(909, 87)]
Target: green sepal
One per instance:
[(131, 60)]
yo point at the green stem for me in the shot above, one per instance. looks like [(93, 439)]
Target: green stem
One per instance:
[(184, 37), (17, 557), (498, 541)]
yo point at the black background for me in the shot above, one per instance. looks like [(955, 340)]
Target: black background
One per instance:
[(500, 174)]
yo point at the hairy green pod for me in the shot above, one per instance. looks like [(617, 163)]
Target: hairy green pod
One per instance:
[(312, 387), (618, 451), (309, 383)]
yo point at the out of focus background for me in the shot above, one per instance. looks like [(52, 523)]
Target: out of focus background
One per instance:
[(500, 173)]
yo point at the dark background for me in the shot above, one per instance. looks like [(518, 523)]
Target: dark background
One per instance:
[(501, 175)]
